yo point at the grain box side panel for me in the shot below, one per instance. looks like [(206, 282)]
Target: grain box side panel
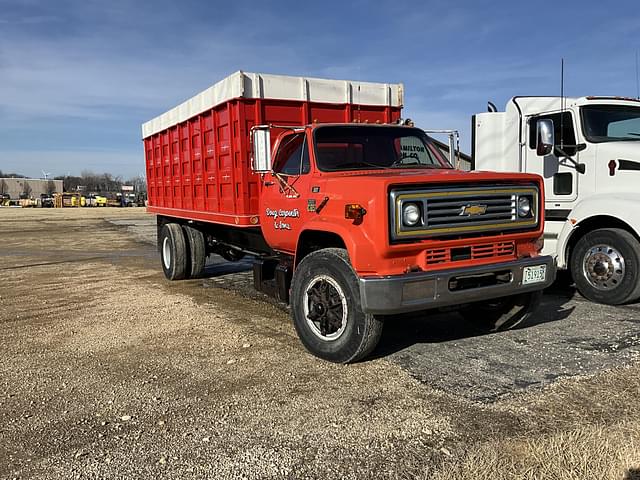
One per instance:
[(166, 169), (148, 158), (174, 156), (185, 162), (224, 159), (251, 116), (210, 165), (157, 156)]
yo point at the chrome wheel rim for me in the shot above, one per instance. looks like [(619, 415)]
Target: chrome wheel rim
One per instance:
[(325, 308), (603, 267), (166, 253)]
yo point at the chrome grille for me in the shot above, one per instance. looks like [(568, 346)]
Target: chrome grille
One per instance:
[(462, 211), (446, 212)]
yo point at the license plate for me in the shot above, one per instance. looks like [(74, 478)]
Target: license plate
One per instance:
[(535, 274)]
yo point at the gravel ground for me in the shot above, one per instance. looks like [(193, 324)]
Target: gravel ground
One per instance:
[(109, 371), (569, 336)]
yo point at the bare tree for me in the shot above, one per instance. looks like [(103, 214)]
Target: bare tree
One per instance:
[(139, 183), (26, 189), (4, 188)]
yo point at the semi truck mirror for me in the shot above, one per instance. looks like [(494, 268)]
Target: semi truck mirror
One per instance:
[(261, 150), (545, 136)]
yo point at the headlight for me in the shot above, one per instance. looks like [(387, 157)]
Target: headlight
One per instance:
[(524, 206), (410, 214)]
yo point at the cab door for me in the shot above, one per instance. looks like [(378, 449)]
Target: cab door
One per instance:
[(285, 202)]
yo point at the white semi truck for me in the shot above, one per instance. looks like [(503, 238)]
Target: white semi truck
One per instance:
[(588, 152)]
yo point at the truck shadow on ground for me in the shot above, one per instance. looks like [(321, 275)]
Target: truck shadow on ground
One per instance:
[(403, 331), (217, 266)]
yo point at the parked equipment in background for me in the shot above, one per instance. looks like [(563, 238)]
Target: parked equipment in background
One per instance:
[(350, 216), (67, 199), (46, 200), (588, 152), (27, 202), (93, 200)]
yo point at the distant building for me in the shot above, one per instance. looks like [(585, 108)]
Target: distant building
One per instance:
[(464, 159), (16, 186)]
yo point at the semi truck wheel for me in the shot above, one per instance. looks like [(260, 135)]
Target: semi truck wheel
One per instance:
[(503, 313), (605, 265), (173, 251), (326, 309), (197, 251)]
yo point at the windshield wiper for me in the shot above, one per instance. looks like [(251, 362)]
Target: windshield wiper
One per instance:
[(416, 165), (351, 165)]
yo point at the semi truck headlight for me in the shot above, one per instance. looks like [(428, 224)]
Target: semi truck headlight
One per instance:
[(410, 214), (524, 206)]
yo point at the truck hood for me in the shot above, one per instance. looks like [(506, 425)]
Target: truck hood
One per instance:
[(422, 176), (629, 151)]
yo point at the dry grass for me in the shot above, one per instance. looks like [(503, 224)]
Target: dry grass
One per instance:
[(585, 428), (591, 452)]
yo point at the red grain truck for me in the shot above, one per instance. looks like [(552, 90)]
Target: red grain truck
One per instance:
[(350, 216)]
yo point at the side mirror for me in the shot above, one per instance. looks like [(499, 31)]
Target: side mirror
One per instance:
[(545, 137), (261, 139)]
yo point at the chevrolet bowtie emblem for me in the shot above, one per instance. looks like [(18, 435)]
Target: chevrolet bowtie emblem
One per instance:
[(473, 210)]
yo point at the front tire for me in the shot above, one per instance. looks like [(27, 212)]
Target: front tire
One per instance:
[(326, 309), (501, 314), (173, 251), (605, 265)]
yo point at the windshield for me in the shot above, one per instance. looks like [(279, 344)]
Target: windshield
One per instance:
[(610, 123), (360, 147)]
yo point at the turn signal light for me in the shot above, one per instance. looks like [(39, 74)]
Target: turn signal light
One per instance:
[(354, 211)]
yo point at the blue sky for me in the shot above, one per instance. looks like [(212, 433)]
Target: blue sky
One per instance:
[(77, 78)]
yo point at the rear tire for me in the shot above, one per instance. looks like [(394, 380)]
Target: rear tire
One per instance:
[(503, 313), (326, 308), (197, 251), (173, 251), (605, 265)]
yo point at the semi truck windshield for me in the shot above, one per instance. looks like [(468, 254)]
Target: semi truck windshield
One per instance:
[(610, 123), (341, 148)]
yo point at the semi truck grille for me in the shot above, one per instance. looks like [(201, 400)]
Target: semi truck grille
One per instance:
[(433, 256), (463, 211)]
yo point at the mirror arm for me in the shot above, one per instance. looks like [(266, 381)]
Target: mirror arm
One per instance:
[(580, 167)]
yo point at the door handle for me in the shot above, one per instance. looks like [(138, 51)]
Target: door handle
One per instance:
[(268, 184)]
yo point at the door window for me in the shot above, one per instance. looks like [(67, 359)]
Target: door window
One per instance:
[(293, 156), (565, 135)]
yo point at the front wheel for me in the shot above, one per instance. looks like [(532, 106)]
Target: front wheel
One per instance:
[(605, 265), (326, 308), (503, 313)]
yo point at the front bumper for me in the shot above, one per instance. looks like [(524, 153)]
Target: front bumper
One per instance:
[(424, 290)]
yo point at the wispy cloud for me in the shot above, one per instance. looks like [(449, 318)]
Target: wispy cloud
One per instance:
[(80, 76)]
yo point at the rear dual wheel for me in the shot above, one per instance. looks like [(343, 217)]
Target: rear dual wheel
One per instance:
[(197, 251), (182, 251), (173, 251)]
